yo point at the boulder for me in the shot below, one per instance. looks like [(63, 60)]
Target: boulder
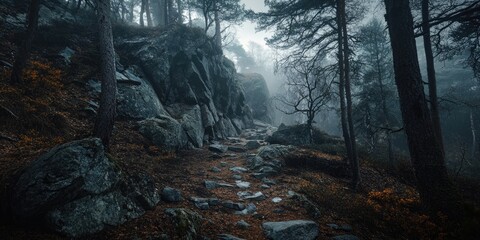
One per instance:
[(273, 151), (74, 189), (187, 223), (218, 148), (291, 230), (164, 132), (136, 98), (190, 117), (242, 224), (257, 96), (252, 144), (297, 135), (171, 195)]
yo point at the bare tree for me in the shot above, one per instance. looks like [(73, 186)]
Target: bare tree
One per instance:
[(107, 111), (308, 90)]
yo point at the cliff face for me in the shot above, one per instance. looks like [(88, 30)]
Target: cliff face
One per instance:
[(179, 75)]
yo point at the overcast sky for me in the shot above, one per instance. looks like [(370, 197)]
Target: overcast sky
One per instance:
[(246, 32)]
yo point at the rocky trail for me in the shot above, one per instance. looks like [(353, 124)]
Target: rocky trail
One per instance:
[(232, 189)]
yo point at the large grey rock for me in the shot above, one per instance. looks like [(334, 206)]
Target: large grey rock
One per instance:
[(171, 195), (164, 132), (291, 230), (76, 190), (187, 223), (218, 148), (242, 224), (189, 116), (297, 135), (274, 151), (136, 97)]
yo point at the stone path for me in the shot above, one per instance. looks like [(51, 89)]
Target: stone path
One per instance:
[(243, 179)]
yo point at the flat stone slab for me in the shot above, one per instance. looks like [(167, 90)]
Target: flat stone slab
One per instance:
[(212, 184), (242, 184), (345, 237), (276, 200), (228, 237), (218, 148), (237, 149), (238, 169), (246, 195), (233, 205), (291, 230)]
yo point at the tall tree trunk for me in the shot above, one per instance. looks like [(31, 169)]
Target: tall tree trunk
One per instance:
[(107, 111), (122, 6), (23, 52), (142, 11), (170, 11), (162, 13), (432, 81), (351, 129), (341, 86), (180, 11), (189, 14), (218, 30), (474, 140), (434, 186), (384, 108), (147, 12), (130, 14)]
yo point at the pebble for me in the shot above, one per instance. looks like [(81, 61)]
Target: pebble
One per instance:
[(242, 224), (276, 200)]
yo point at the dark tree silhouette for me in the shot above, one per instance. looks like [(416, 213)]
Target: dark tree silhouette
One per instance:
[(107, 111), (435, 188), (432, 80), (307, 92), (23, 51), (310, 29)]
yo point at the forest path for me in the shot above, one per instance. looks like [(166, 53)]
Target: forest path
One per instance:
[(220, 173)]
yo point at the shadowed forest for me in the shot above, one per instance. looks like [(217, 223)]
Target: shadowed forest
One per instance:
[(239, 119)]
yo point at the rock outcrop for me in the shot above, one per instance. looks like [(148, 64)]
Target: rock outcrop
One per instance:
[(74, 189), (257, 96), (193, 81)]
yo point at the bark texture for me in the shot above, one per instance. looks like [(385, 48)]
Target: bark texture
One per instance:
[(434, 186), (432, 81), (107, 111), (354, 164)]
